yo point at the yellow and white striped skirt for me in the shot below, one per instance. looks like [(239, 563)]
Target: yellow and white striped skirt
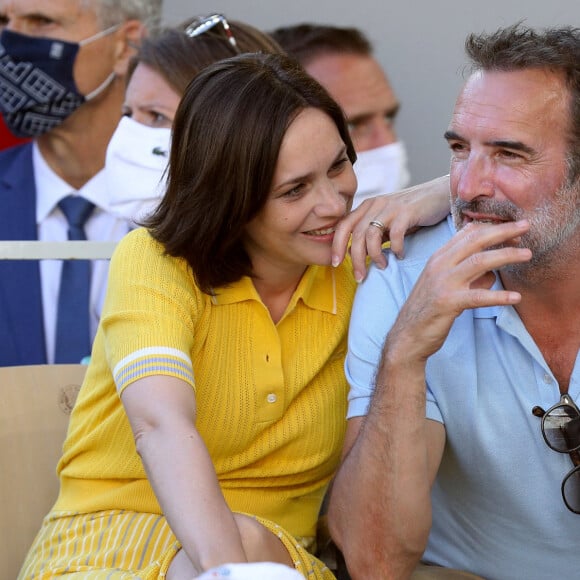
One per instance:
[(122, 545)]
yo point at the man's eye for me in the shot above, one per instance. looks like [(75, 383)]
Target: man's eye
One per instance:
[(510, 154), (39, 20)]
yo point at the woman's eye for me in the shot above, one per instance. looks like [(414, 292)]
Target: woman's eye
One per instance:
[(339, 164), (296, 191), (159, 119)]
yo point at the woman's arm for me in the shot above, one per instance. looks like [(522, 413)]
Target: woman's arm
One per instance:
[(162, 411), (421, 205)]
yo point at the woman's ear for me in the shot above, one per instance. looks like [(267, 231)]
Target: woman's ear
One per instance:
[(128, 39)]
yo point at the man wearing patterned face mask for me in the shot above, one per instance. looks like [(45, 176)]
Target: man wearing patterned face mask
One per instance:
[(62, 79), (37, 79), (341, 60)]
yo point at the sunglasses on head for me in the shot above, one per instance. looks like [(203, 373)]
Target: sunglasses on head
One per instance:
[(202, 25)]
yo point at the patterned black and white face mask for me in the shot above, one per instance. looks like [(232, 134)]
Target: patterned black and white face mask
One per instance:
[(37, 87)]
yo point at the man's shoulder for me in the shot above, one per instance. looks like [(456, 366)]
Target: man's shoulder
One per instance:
[(419, 247), (400, 275), (422, 244), (16, 168), (16, 154), (17, 183)]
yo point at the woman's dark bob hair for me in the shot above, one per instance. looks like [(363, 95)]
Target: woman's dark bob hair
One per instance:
[(227, 133)]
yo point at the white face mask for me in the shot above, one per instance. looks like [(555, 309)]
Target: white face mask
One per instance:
[(137, 157), (381, 170)]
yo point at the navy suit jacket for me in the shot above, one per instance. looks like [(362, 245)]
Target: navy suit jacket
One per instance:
[(21, 319)]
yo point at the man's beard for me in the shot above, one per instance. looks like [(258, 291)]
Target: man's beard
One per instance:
[(551, 225)]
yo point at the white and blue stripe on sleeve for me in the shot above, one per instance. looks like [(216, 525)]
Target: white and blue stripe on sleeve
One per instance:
[(150, 361)]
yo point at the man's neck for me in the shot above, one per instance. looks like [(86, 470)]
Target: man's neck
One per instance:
[(75, 150), (553, 290), (549, 309)]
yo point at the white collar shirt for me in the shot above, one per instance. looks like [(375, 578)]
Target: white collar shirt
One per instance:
[(52, 225)]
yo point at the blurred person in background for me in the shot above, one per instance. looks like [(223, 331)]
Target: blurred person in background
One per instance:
[(138, 152), (63, 66)]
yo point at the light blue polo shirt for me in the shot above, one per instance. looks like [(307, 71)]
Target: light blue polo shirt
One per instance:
[(497, 505)]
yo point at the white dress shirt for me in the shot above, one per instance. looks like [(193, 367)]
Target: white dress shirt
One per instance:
[(102, 225)]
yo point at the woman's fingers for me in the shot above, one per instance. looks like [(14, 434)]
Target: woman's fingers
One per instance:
[(400, 213)]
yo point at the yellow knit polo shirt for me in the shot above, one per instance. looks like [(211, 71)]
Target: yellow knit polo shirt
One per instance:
[(271, 398)]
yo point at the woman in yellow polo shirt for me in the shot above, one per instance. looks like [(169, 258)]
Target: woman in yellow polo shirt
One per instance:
[(216, 387)]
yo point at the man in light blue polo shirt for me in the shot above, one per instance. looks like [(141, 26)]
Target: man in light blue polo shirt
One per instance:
[(456, 350)]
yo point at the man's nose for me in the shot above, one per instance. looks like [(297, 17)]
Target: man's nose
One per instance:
[(474, 177)]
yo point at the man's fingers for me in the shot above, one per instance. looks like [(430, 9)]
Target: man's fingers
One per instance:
[(477, 237), (477, 264)]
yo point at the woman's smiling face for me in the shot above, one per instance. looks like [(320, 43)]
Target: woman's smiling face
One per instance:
[(312, 189)]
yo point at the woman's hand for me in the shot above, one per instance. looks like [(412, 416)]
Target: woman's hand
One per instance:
[(400, 213)]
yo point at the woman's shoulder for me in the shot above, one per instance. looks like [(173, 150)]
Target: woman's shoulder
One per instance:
[(345, 271), (138, 240), (143, 256)]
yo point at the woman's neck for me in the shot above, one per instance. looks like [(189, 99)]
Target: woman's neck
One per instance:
[(276, 290)]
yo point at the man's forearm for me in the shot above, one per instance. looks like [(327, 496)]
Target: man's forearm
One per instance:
[(380, 511)]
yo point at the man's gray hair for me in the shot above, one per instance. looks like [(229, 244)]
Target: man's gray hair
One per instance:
[(112, 12), (518, 47)]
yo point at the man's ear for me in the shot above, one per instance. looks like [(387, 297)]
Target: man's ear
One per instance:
[(128, 40)]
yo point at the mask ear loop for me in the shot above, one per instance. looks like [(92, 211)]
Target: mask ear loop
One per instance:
[(100, 34), (109, 80), (102, 87)]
